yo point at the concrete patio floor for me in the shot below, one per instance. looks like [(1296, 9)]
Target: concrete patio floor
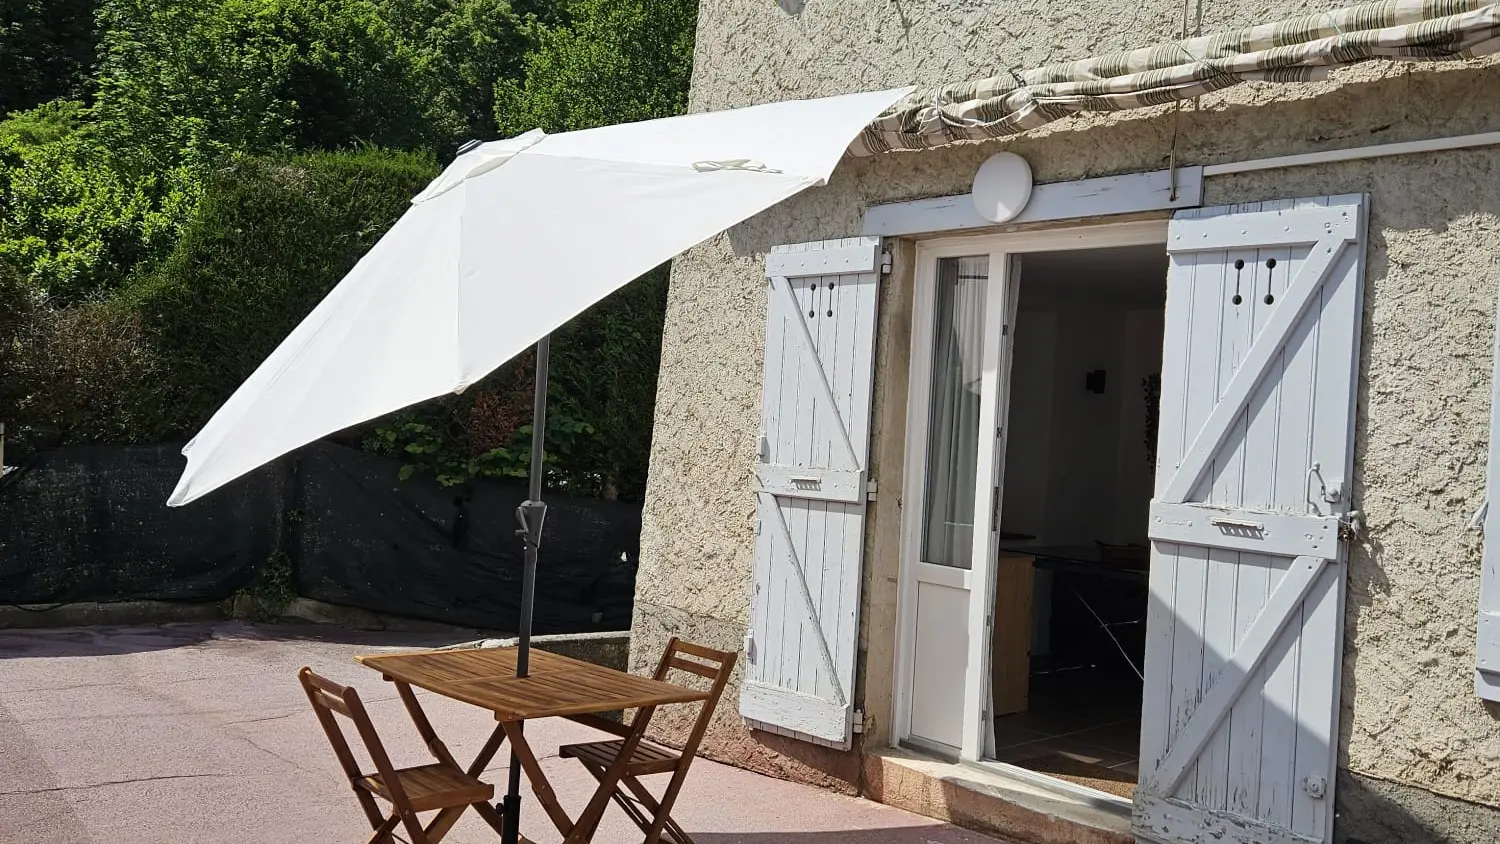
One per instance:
[(192, 733)]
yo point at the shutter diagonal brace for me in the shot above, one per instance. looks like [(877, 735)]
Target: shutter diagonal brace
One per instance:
[(809, 360), (768, 502), (1253, 369)]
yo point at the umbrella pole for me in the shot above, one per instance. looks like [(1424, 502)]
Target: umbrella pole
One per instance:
[(531, 513)]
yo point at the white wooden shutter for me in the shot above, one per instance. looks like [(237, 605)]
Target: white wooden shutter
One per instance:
[(811, 489), (1487, 646), (1255, 455)]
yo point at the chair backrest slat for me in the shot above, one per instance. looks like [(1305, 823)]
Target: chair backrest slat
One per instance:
[(707, 672), (716, 666), (328, 697)]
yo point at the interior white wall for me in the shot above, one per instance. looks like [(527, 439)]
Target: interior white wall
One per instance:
[(1028, 451), (1076, 470)]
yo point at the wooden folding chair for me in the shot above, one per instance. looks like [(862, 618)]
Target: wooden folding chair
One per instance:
[(409, 790), (652, 816)]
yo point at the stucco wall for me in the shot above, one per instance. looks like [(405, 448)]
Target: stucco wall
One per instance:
[(1409, 712)]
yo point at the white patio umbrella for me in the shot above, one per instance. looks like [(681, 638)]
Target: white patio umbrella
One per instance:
[(515, 238)]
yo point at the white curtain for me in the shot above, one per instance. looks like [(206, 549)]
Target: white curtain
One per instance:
[(953, 418)]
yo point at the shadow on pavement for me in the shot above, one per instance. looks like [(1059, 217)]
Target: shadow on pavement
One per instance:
[(113, 640), (891, 835)]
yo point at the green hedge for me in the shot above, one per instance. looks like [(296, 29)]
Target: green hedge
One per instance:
[(270, 238)]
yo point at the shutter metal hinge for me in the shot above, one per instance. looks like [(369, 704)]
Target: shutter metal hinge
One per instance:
[(1004, 330), (995, 509), (750, 647), (870, 490), (1352, 526), (886, 261), (859, 720)]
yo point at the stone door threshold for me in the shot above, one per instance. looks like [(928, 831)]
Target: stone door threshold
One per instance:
[(996, 799)]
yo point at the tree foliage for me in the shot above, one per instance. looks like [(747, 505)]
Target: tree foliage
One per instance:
[(184, 80), (270, 238), (181, 181), (46, 50), (615, 61)]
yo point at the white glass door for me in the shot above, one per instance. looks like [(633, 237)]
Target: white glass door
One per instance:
[(960, 332)]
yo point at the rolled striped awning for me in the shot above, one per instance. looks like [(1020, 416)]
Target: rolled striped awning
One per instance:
[(1299, 49)]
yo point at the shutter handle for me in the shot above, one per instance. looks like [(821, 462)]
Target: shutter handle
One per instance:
[(1239, 524)]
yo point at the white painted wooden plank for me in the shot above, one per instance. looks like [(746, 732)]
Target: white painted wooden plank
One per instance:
[(812, 482), (1189, 607), (1211, 768), (804, 645), (796, 712), (1281, 612), (1099, 197), (1180, 821), (1196, 394), (1242, 785), (783, 627), (821, 563), (839, 363), (1157, 707), (1279, 720), (866, 302), (862, 257), (1256, 531), (1264, 415), (1252, 586), (1212, 432), (1337, 373), (1317, 707), (1235, 337), (796, 417), (1295, 397), (1178, 317), (1280, 228)]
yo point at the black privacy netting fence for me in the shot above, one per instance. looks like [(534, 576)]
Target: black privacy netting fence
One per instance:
[(91, 524)]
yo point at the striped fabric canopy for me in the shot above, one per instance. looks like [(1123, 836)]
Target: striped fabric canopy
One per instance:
[(1299, 49)]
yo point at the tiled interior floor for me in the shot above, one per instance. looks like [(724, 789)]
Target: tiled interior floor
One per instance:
[(1088, 715)]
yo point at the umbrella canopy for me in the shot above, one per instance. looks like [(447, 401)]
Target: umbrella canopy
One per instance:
[(515, 238)]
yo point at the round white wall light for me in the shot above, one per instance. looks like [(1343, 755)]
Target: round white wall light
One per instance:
[(1002, 187)]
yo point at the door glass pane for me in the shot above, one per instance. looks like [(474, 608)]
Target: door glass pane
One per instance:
[(953, 418)]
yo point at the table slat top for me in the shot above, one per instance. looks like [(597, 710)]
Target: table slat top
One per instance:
[(556, 685)]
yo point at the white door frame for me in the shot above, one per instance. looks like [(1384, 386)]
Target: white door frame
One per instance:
[(978, 731)]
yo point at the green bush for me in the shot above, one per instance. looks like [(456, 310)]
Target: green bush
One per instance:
[(70, 217), (76, 374), (188, 81), (270, 238)]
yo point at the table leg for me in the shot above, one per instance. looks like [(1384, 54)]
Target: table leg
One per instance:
[(544, 793), (588, 822)]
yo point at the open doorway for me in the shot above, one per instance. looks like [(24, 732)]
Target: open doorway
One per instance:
[(1071, 571)]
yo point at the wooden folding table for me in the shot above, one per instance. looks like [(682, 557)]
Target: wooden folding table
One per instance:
[(556, 687)]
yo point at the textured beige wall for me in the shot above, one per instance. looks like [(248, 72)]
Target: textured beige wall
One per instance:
[(1410, 715)]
